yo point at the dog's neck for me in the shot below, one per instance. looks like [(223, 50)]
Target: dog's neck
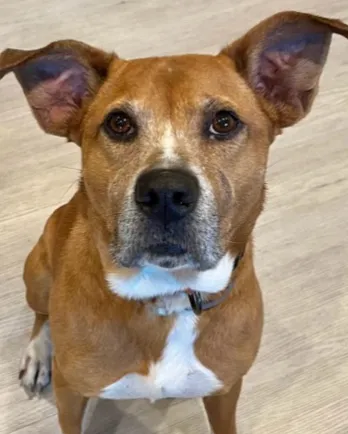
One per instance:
[(167, 293)]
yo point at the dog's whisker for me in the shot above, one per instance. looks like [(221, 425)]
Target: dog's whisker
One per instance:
[(68, 189), (70, 168)]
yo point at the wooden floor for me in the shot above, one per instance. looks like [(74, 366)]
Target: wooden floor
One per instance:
[(299, 384)]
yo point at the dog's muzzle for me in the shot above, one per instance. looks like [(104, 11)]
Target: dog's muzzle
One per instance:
[(168, 222)]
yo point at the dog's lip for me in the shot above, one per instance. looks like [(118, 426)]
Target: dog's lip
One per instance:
[(166, 249)]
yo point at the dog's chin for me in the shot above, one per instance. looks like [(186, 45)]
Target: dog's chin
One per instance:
[(164, 261), (172, 259), (168, 262)]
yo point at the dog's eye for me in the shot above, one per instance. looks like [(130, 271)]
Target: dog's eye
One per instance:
[(223, 124), (119, 125)]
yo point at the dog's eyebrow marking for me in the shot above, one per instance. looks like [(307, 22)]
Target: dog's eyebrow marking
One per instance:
[(168, 144)]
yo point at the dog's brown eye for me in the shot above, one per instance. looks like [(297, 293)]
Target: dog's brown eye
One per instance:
[(119, 125), (223, 124)]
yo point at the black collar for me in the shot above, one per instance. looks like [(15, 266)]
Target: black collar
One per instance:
[(198, 305)]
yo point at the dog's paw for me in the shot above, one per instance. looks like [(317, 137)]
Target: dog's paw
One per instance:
[(35, 368)]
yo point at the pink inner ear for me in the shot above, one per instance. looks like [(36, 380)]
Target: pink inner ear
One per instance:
[(52, 102), (275, 62), (275, 70), (291, 62), (57, 101)]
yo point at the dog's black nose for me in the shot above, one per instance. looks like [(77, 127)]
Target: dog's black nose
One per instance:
[(167, 195)]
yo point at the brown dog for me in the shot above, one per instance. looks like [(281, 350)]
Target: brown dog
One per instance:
[(144, 282)]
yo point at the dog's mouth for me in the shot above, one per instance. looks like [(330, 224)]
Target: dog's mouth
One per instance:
[(167, 255), (166, 249), (191, 243)]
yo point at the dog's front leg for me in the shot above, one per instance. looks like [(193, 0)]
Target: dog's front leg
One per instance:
[(70, 405), (221, 410)]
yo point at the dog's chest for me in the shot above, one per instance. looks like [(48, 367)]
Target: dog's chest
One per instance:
[(178, 374)]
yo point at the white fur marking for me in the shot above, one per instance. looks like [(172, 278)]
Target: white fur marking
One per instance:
[(168, 144), (36, 362), (178, 374), (169, 304), (152, 281)]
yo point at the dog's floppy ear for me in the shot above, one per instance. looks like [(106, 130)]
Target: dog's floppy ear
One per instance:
[(282, 59), (58, 81)]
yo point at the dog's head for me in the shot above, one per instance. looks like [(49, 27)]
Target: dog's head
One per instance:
[(174, 149)]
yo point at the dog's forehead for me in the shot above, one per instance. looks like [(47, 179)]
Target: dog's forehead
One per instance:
[(172, 80)]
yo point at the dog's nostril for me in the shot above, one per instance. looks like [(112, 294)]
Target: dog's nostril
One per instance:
[(181, 199), (149, 199)]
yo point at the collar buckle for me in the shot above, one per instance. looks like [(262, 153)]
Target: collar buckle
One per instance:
[(196, 301)]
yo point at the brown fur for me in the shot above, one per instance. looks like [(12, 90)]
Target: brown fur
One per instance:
[(99, 337)]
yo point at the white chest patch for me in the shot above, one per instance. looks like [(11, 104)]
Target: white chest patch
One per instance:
[(178, 374)]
